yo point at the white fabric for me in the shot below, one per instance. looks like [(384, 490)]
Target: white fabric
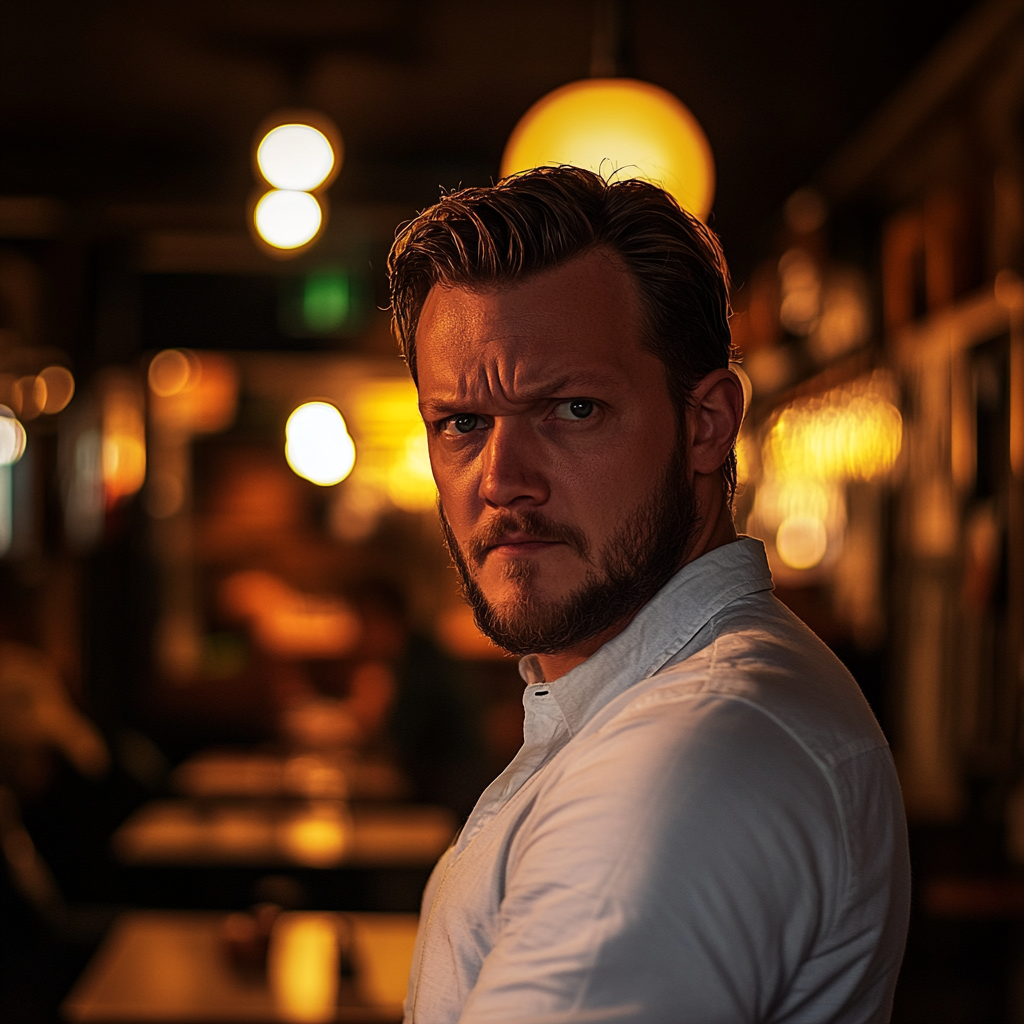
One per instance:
[(703, 825)]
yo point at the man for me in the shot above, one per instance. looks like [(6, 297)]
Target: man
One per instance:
[(703, 823)]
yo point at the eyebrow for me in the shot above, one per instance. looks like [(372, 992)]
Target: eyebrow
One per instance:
[(570, 385)]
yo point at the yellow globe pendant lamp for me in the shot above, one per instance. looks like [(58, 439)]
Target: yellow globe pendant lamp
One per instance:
[(620, 128)]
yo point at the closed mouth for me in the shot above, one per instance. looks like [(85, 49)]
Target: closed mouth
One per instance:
[(519, 544)]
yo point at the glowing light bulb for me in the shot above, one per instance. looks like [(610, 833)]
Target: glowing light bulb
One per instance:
[(287, 219), (12, 438), (296, 157), (318, 446), (618, 127)]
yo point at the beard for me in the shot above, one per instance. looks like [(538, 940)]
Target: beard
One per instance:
[(636, 562)]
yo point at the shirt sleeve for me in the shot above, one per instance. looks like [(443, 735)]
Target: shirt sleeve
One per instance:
[(680, 868)]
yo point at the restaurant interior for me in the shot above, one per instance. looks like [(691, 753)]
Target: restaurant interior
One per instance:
[(243, 708)]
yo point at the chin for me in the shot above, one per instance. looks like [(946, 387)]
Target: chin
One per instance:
[(523, 584)]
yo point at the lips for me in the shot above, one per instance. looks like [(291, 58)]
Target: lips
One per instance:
[(519, 544), (523, 533)]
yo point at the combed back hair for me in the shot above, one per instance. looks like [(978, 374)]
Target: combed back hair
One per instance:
[(540, 219)]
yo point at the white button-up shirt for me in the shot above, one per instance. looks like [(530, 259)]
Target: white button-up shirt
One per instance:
[(703, 825)]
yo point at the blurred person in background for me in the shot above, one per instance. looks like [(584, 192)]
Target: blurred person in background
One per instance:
[(703, 822)]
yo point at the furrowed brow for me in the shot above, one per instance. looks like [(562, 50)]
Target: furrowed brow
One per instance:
[(576, 384)]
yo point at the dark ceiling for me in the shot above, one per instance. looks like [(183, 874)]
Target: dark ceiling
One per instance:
[(156, 101)]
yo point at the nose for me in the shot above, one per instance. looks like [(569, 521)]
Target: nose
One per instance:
[(513, 472)]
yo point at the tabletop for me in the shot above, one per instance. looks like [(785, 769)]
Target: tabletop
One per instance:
[(313, 833), (263, 773), (173, 967)]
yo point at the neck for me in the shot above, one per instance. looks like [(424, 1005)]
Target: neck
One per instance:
[(716, 529)]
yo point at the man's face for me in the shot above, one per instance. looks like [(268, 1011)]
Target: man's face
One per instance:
[(554, 444)]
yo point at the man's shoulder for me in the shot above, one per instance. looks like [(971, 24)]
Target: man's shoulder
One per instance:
[(762, 662)]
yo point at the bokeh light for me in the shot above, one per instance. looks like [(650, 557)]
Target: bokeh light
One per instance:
[(297, 157), (854, 432), (802, 541), (800, 286), (318, 445), (303, 968), (192, 392), (812, 448), (28, 396), (805, 517), (123, 455), (618, 127), (12, 437), (287, 219), (319, 837), (60, 388), (410, 480), (170, 371)]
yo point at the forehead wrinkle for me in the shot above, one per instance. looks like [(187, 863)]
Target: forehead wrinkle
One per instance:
[(576, 383), (508, 353)]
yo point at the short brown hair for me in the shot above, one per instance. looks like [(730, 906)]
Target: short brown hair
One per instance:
[(547, 216)]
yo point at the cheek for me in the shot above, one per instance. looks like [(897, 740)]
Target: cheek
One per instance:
[(456, 485), (615, 475)]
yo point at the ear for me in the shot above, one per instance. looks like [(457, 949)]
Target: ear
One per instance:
[(715, 414)]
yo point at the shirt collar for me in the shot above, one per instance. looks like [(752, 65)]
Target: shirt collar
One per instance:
[(698, 592)]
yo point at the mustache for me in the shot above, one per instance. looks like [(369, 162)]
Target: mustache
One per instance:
[(533, 524)]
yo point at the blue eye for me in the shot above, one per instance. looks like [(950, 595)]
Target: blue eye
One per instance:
[(574, 409)]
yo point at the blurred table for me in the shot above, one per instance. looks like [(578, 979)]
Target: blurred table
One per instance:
[(312, 834), (172, 968), (256, 773)]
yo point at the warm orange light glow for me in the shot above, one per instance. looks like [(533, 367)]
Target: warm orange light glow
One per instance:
[(124, 437), (28, 397), (744, 458), (171, 371), (458, 633), (303, 968), (319, 837), (851, 433), (621, 127), (318, 446), (384, 946), (230, 773), (804, 516), (801, 541), (800, 286), (410, 481), (395, 444), (192, 393), (812, 449), (60, 388), (288, 622)]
